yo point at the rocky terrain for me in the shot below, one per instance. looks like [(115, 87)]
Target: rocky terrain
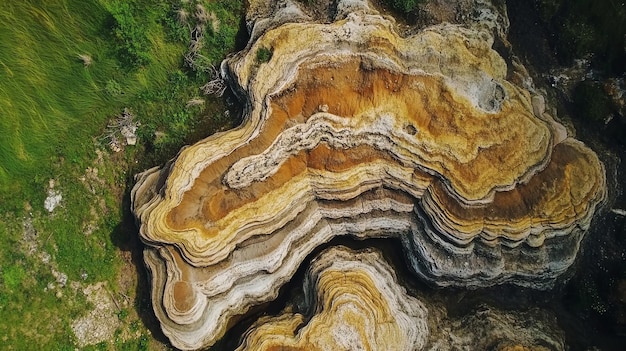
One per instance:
[(354, 127)]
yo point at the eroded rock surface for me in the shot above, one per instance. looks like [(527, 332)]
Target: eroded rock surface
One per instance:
[(352, 130)]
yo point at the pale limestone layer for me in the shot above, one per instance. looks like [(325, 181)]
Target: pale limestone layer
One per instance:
[(202, 301), (352, 130)]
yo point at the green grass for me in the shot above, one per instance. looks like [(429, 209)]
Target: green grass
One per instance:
[(263, 55), (45, 92), (405, 5), (52, 105), (28, 316), (53, 111)]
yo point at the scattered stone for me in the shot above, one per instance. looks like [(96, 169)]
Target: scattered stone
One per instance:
[(53, 200), (100, 323), (45, 257), (54, 197), (60, 277)]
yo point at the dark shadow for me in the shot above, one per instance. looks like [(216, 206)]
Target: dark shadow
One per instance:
[(530, 39), (590, 308), (125, 236), (242, 37)]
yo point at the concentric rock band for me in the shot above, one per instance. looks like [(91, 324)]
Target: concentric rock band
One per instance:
[(353, 130)]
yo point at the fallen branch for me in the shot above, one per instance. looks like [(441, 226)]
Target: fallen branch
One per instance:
[(121, 131), (618, 211)]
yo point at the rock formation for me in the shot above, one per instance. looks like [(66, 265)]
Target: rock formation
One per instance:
[(357, 304), (354, 302), (353, 130)]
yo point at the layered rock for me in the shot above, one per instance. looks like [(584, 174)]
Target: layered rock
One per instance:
[(351, 129), (354, 302)]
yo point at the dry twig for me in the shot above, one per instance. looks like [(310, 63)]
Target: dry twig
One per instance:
[(201, 14), (217, 85), (121, 131), (182, 16), (195, 102)]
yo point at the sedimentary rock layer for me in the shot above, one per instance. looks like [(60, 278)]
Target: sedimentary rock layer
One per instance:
[(356, 304), (486, 328), (350, 129)]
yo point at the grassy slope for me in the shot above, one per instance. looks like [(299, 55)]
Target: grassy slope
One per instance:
[(53, 109), (51, 104), (45, 91)]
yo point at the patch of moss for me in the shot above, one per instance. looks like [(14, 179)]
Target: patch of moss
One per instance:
[(582, 27), (591, 102), (263, 55), (405, 6)]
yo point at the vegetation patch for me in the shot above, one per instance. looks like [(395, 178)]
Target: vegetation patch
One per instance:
[(591, 102), (405, 6), (69, 69), (583, 27), (263, 55), (131, 36)]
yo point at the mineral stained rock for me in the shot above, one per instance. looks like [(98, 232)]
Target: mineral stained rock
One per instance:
[(353, 130)]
